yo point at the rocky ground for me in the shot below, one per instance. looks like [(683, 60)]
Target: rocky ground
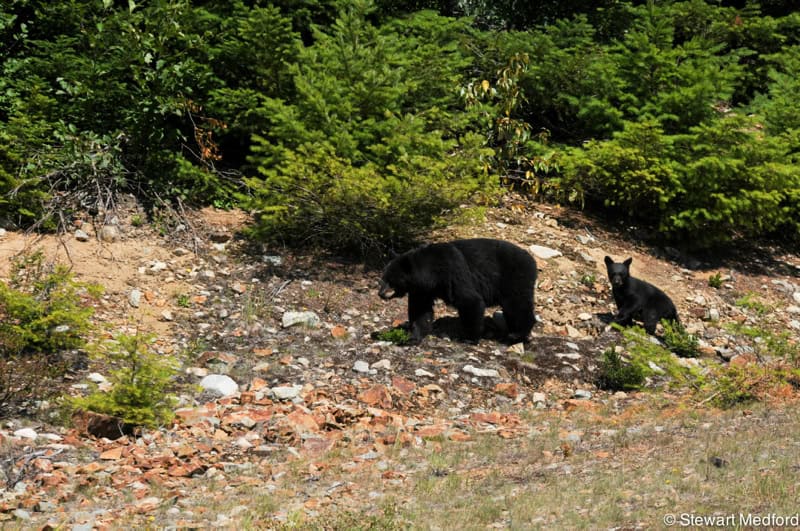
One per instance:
[(303, 414)]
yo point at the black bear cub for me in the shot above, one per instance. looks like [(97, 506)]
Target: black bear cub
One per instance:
[(637, 299), (469, 275)]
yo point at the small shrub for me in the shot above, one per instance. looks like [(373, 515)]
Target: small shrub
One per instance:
[(678, 340), (43, 309), (43, 313), (715, 281), (182, 300), (398, 336), (139, 393), (588, 280), (731, 385), (618, 376)]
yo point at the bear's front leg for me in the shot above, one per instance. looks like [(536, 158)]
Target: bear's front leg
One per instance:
[(420, 316), (470, 313)]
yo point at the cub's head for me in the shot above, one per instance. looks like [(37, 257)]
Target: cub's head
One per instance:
[(618, 273), (396, 278)]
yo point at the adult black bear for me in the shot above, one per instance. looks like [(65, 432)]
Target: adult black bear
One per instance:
[(469, 275), (637, 299)]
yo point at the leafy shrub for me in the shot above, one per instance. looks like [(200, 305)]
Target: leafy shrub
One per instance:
[(398, 336), (317, 198), (43, 309), (618, 376), (140, 384), (43, 313), (678, 340), (715, 280)]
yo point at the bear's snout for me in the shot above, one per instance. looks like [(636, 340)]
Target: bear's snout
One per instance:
[(385, 291)]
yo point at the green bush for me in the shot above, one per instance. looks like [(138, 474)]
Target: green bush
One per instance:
[(398, 336), (43, 313), (678, 340), (618, 376), (140, 383), (43, 310), (356, 163)]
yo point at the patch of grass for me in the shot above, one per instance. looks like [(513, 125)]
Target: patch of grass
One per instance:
[(645, 351), (750, 301), (715, 280), (588, 280), (767, 343), (182, 300), (137, 220)]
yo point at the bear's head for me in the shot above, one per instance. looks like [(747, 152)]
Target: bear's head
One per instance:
[(396, 278), (618, 273)]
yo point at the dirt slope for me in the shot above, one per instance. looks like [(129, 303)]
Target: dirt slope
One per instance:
[(329, 422)]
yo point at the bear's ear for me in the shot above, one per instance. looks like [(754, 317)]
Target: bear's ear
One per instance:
[(608, 260), (628, 262)]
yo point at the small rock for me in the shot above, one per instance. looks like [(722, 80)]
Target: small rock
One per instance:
[(219, 384), (423, 372), (135, 298), (26, 433), (582, 394), (96, 377), (517, 348), (309, 319), (539, 398), (796, 297), (361, 366), (81, 236), (167, 315), (585, 316), (286, 392), (109, 233), (2, 233), (21, 514), (713, 314), (243, 444), (545, 253), (382, 364), (157, 267), (488, 373)]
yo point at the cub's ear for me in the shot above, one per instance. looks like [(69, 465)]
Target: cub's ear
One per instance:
[(628, 262), (608, 260)]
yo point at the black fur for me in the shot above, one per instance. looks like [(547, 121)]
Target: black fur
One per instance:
[(469, 275), (637, 299)]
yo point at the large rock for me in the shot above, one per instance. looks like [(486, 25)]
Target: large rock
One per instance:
[(219, 384)]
